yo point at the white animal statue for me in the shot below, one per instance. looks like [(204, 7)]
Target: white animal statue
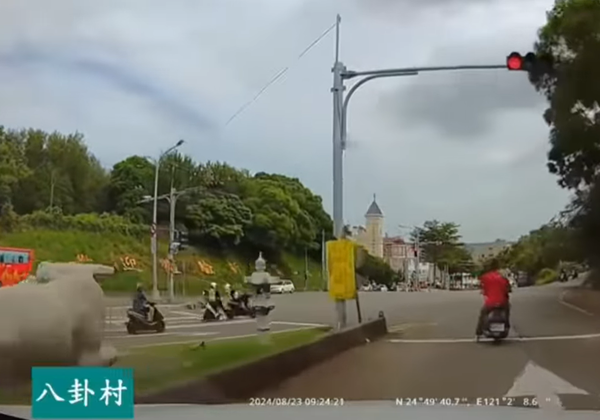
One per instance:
[(56, 321)]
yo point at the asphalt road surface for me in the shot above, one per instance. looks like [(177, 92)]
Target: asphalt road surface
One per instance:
[(184, 326), (552, 356)]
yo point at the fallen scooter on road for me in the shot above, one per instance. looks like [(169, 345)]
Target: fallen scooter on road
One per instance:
[(240, 307)]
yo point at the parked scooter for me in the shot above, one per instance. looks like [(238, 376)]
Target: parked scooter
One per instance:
[(496, 326), (139, 322)]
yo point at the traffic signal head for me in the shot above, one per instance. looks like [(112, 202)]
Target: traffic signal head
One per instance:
[(516, 61), (181, 237)]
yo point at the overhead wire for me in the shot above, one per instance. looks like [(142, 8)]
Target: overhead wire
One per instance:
[(278, 76)]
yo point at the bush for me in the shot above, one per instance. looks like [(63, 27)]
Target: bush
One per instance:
[(54, 219), (546, 276)]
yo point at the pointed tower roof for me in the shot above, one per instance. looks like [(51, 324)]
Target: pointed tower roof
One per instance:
[(374, 209)]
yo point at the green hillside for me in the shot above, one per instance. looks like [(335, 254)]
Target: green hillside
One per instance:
[(112, 249)]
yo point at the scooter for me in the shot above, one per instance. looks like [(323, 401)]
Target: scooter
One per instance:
[(139, 322), (496, 326)]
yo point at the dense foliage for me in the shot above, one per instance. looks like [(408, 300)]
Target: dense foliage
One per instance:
[(54, 181), (440, 244), (551, 247), (570, 43)]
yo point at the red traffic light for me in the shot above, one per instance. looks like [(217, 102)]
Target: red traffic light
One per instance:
[(514, 61)]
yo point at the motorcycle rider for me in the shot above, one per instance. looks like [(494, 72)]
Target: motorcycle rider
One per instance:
[(226, 298), (140, 303), (214, 298), (495, 288)]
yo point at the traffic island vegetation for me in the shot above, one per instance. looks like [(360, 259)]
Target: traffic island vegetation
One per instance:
[(163, 366), (546, 276), (160, 367)]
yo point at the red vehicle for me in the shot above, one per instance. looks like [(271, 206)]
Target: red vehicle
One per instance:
[(16, 265)]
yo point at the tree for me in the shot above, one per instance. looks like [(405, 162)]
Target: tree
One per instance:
[(440, 245), (130, 180), (220, 218), (377, 270), (285, 213), (546, 247), (46, 178), (12, 164), (570, 40)]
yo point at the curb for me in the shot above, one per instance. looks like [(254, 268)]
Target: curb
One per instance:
[(238, 384)]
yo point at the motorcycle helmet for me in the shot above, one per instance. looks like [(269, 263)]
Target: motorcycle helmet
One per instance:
[(139, 287), (213, 285), (228, 286)]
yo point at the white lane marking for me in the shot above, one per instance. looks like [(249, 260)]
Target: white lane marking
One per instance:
[(203, 324), (229, 337), (226, 323), (545, 385), (408, 325), (299, 324), (167, 319), (472, 340), (188, 314), (170, 305), (163, 334), (561, 299)]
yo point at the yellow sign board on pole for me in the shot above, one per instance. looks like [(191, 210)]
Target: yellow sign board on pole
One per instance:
[(340, 265)]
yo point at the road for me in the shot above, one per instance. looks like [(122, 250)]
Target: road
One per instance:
[(553, 352), (184, 326)]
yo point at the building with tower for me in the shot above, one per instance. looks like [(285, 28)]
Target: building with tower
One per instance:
[(394, 250), (374, 229)]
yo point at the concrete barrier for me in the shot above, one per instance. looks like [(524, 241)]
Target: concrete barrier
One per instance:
[(237, 385)]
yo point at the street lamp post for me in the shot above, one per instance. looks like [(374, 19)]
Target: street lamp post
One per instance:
[(417, 254), (172, 200), (154, 245)]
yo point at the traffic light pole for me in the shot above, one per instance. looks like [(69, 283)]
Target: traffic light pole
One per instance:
[(340, 111)]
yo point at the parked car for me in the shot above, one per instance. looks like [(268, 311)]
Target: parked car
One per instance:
[(285, 286)]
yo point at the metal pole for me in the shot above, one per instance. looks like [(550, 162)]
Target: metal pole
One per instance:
[(155, 294), (305, 269), (418, 257), (172, 202), (338, 155), (154, 242), (323, 261), (338, 150), (52, 183)]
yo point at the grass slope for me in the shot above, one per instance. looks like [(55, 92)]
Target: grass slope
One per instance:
[(110, 248)]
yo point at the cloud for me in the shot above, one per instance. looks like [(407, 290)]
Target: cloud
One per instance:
[(121, 79), (463, 104), (136, 76)]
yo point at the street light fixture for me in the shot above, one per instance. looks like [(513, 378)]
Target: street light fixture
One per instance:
[(155, 293)]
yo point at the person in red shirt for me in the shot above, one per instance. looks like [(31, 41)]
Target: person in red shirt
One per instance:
[(495, 289)]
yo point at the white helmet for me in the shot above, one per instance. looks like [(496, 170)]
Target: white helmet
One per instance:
[(228, 286), (213, 285)]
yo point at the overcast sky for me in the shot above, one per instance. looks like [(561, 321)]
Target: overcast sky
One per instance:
[(134, 76)]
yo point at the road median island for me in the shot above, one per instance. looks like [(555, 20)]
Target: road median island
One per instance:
[(259, 367)]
